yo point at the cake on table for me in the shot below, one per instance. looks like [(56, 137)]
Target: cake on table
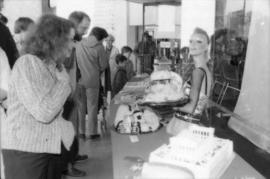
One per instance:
[(197, 150), (132, 120)]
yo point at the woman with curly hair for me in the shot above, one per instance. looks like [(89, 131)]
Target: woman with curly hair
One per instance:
[(34, 130)]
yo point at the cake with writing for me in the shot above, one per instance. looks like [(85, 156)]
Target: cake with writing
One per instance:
[(196, 149)]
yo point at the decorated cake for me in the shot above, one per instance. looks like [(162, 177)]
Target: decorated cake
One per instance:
[(164, 86), (197, 150), (132, 120)]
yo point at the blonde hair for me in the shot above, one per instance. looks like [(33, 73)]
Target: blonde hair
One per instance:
[(199, 30)]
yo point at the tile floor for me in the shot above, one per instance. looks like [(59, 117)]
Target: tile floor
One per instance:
[(99, 164)]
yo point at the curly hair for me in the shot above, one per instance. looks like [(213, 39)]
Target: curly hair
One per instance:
[(49, 38)]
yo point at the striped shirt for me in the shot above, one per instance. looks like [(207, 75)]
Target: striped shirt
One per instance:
[(35, 103)]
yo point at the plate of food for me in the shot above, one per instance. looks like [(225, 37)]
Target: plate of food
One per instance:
[(133, 129), (132, 120), (165, 90), (164, 109)]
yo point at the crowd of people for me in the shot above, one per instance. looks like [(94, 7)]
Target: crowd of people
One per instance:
[(53, 79)]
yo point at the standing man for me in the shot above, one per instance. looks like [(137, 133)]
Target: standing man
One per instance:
[(75, 107), (145, 50), (82, 23), (7, 42), (112, 51), (92, 61)]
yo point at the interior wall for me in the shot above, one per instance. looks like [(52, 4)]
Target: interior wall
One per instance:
[(109, 14), (196, 13), (120, 19), (135, 14), (48, 7), (131, 37), (64, 8)]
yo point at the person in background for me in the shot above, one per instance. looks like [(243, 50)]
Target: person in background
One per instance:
[(184, 54), (200, 84), (120, 78), (82, 23), (112, 51), (146, 50), (187, 63), (74, 108), (35, 131), (22, 25), (201, 77), (92, 61), (7, 42), (127, 51)]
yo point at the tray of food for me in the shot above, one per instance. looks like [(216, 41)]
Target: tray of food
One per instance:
[(165, 90), (133, 120), (168, 103), (134, 129), (164, 109)]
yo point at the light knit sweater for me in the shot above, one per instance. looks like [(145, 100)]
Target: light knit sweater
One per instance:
[(35, 103)]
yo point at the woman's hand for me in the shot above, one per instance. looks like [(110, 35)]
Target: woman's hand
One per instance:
[(62, 75)]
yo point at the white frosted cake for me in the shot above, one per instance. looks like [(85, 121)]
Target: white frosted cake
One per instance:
[(164, 86), (130, 120), (198, 150)]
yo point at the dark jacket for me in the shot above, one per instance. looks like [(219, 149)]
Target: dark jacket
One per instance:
[(119, 81), (8, 45)]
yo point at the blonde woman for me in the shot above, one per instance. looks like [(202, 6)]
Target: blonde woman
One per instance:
[(200, 81)]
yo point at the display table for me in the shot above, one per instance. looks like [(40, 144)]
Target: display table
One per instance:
[(123, 147)]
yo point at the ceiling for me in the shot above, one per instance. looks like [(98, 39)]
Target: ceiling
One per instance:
[(152, 2)]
